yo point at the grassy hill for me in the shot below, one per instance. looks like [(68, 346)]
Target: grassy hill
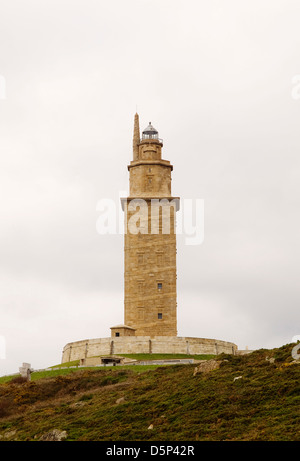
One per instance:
[(160, 403)]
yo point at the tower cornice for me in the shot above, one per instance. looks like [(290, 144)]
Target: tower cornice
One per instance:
[(165, 163)]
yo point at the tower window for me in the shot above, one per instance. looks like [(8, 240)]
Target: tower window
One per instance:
[(159, 286), (117, 333), (159, 315), (141, 313), (141, 287), (159, 258), (140, 258), (149, 182)]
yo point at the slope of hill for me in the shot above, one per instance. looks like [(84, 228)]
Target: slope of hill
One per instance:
[(248, 398)]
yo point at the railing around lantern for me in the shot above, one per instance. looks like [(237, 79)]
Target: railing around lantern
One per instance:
[(147, 136)]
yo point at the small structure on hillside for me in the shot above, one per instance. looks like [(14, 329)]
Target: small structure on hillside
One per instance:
[(25, 371)]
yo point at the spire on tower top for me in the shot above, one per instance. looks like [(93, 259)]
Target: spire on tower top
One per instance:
[(136, 137)]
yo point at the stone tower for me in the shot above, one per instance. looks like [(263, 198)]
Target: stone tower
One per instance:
[(150, 301), (150, 297)]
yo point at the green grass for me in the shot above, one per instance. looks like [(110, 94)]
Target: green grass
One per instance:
[(261, 406), (5, 379), (74, 363), (143, 357), (146, 357), (37, 375), (52, 373)]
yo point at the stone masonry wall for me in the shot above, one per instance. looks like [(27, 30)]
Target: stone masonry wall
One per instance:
[(150, 293), (145, 345)]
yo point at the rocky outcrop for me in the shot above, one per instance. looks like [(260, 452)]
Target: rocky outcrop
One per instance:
[(54, 436), (205, 366)]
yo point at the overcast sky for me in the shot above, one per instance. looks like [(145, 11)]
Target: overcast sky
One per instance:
[(218, 80)]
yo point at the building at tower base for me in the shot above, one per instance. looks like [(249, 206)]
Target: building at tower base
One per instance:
[(79, 350)]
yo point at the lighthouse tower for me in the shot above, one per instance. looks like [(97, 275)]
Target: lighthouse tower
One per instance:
[(150, 297), (150, 274)]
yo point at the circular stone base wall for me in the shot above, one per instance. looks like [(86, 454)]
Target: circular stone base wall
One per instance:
[(145, 345)]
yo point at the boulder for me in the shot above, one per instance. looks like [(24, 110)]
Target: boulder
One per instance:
[(54, 436), (207, 365)]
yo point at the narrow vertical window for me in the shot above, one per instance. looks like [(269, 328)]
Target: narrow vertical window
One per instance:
[(141, 313), (159, 258), (141, 287), (159, 315), (159, 286), (140, 258), (149, 182)]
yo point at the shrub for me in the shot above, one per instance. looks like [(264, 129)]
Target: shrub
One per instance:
[(5, 406), (86, 397), (18, 380)]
